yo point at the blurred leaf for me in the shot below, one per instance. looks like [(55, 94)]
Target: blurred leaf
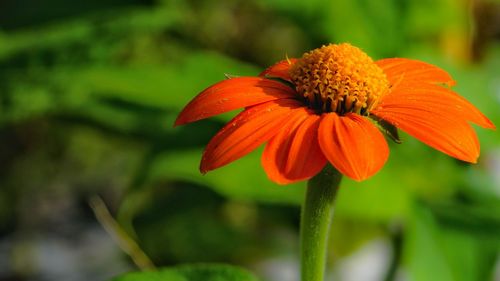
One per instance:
[(481, 218), (423, 252), (367, 21), (419, 22), (125, 57), (126, 22), (198, 272), (184, 223), (347, 235), (244, 179), (176, 222), (436, 252), (165, 86), (306, 7), (159, 87)]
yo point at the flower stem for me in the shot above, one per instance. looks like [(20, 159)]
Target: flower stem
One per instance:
[(317, 213)]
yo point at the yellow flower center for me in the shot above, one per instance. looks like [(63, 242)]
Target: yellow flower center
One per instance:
[(339, 78)]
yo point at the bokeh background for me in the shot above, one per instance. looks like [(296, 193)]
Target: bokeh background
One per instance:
[(89, 91)]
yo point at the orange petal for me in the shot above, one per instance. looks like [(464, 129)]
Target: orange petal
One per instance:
[(400, 70), (433, 98), (279, 70), (442, 131), (231, 94), (352, 144), (294, 153), (246, 131)]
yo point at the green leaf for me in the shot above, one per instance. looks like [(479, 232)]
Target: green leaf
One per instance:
[(367, 20), (436, 249), (164, 275), (197, 272), (423, 251), (243, 179), (185, 223), (165, 86), (129, 22)]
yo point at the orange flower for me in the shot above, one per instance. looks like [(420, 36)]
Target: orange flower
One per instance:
[(327, 107)]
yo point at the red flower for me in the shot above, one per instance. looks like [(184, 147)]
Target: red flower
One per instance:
[(326, 106)]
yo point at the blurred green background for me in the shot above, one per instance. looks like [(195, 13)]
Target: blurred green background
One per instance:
[(89, 91)]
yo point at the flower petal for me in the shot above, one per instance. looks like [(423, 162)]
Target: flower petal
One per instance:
[(438, 129), (433, 98), (279, 70), (294, 153), (352, 144), (231, 94), (246, 131), (400, 70)]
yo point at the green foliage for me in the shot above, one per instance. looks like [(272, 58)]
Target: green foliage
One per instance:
[(184, 223), (201, 272), (229, 181), (436, 249)]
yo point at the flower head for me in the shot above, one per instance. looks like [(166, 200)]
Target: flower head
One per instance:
[(339, 78), (328, 106)]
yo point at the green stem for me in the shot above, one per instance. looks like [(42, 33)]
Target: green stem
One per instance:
[(317, 213)]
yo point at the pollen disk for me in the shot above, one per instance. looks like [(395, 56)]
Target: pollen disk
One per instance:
[(339, 78)]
